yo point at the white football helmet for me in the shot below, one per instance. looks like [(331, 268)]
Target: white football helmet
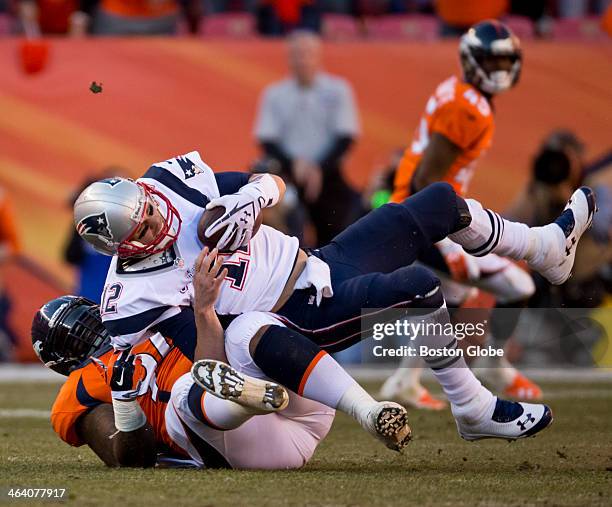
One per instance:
[(109, 211)]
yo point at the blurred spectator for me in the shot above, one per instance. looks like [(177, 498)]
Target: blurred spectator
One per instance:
[(363, 8), (218, 6), (307, 122), (141, 17), (279, 17), (9, 247), (598, 175), (559, 168), (91, 266), (457, 16), (537, 11), (51, 17), (580, 8)]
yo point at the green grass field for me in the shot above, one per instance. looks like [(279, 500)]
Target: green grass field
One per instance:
[(568, 464)]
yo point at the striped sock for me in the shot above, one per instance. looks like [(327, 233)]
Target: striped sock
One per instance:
[(488, 232)]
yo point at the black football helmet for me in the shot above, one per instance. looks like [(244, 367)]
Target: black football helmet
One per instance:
[(66, 331), (480, 46)]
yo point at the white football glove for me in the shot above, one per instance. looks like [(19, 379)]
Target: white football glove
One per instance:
[(241, 211)]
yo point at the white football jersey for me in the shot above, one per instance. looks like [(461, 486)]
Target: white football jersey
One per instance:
[(140, 293)]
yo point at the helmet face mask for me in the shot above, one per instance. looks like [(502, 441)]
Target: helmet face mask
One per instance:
[(491, 57), (167, 234), (66, 331), (109, 212)]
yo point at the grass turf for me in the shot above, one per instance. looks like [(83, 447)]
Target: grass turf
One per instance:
[(569, 464)]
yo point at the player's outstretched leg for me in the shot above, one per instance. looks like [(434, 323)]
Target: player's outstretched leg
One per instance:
[(223, 381), (478, 413), (289, 358), (549, 250)]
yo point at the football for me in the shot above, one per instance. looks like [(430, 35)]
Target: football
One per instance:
[(209, 217)]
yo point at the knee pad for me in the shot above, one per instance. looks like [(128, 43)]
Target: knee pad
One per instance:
[(238, 337)]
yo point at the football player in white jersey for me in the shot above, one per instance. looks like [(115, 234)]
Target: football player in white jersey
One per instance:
[(318, 296), (150, 228)]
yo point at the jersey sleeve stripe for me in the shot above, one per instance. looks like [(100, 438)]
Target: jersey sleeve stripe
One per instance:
[(171, 181), (85, 399), (134, 323)]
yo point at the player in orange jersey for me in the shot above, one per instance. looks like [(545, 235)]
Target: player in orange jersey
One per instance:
[(134, 400), (453, 133)]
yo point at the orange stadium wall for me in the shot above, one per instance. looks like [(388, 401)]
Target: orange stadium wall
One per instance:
[(163, 97)]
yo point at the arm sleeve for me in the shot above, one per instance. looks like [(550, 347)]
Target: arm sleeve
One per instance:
[(267, 123), (460, 123), (346, 121), (230, 182)]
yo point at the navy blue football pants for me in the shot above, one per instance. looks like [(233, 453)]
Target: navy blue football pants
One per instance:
[(370, 264)]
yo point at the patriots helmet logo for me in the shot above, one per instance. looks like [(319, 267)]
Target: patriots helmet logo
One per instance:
[(188, 167), (111, 181), (96, 225)]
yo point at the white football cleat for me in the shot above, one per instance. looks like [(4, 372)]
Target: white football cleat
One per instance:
[(388, 421), (560, 239), (223, 381), (508, 420)]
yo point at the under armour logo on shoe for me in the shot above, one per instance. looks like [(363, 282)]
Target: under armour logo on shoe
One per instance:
[(523, 424)]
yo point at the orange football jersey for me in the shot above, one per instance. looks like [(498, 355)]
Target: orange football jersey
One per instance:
[(85, 389), (459, 112)]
